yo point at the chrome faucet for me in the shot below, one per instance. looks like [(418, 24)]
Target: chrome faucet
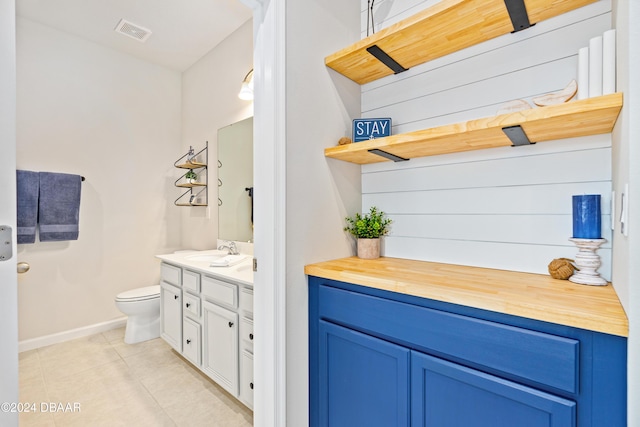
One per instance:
[(230, 246)]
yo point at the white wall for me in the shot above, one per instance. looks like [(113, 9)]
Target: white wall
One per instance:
[(320, 105), (506, 208), (114, 119), (626, 159), (209, 102)]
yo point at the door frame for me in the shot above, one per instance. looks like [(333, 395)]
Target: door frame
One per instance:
[(8, 274), (270, 398)]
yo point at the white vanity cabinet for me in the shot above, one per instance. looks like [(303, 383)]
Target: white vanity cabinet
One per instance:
[(220, 352), (209, 321), (171, 306)]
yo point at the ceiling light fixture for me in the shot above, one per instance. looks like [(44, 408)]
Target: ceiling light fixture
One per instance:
[(246, 91)]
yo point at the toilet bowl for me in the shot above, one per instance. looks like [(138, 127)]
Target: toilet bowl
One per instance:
[(142, 307)]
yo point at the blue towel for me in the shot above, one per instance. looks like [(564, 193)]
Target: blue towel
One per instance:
[(59, 206), (27, 189)]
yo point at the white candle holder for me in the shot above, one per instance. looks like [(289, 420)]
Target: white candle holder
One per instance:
[(588, 262)]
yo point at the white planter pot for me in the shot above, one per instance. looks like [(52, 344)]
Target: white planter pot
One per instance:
[(369, 248)]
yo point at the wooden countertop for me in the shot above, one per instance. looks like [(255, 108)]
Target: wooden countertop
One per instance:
[(534, 296)]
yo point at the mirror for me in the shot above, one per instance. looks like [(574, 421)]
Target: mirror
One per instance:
[(235, 181)]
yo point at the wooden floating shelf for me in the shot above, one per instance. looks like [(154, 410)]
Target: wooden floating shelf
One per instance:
[(195, 184), (191, 165), (572, 119), (444, 28)]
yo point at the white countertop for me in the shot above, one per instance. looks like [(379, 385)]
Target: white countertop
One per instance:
[(240, 273)]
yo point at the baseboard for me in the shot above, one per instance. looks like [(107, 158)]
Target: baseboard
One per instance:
[(72, 334)]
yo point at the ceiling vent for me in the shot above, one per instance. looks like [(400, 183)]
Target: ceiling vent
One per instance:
[(132, 30)]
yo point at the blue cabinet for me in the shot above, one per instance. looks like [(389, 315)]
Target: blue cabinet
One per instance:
[(380, 358), (448, 394), (365, 380)]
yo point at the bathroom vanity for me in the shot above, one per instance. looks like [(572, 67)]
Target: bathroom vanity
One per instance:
[(207, 316), (401, 342)]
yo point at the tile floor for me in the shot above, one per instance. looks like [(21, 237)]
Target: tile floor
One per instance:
[(116, 384)]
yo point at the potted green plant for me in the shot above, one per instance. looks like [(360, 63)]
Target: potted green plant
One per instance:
[(367, 229), (191, 176)]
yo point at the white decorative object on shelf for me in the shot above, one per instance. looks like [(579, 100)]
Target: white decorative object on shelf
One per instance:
[(587, 262), (513, 106), (583, 73), (595, 66), (609, 62), (558, 97)]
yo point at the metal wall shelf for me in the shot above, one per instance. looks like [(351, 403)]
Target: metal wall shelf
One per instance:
[(196, 194)]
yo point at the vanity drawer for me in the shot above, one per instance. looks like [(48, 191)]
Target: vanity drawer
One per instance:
[(498, 348), (191, 281), (191, 341), (220, 292), (246, 332), (246, 302), (191, 305), (171, 274)]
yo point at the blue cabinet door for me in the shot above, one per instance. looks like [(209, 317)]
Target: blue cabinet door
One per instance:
[(445, 394), (364, 381)]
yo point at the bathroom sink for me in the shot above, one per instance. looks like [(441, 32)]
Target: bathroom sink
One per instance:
[(209, 257)]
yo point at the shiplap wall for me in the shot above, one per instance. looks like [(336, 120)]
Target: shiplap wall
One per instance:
[(507, 208)]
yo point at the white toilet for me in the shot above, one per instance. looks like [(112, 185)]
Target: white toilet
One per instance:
[(142, 306)]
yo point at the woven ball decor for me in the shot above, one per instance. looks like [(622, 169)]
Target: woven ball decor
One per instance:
[(561, 268)]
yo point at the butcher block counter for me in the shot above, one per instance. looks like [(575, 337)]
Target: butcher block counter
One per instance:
[(533, 296)]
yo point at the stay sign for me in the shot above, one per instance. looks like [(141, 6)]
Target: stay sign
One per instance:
[(364, 129)]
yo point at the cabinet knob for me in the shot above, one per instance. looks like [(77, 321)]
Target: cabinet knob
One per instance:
[(251, 386), (251, 337), (231, 324), (176, 297), (188, 341), (188, 304)]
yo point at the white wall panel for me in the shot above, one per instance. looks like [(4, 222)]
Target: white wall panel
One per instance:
[(529, 52), (551, 199), (525, 229), (580, 166), (502, 256), (491, 92), (388, 12), (507, 208)]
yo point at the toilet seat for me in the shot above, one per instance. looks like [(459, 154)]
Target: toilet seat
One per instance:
[(140, 294)]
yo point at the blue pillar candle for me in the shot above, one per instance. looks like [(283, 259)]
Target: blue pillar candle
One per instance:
[(586, 217)]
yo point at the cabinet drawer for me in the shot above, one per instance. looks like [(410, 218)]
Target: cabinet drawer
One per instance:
[(246, 378), (191, 341), (246, 302), (191, 305), (538, 357), (246, 332), (171, 274), (191, 281), (221, 292)]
